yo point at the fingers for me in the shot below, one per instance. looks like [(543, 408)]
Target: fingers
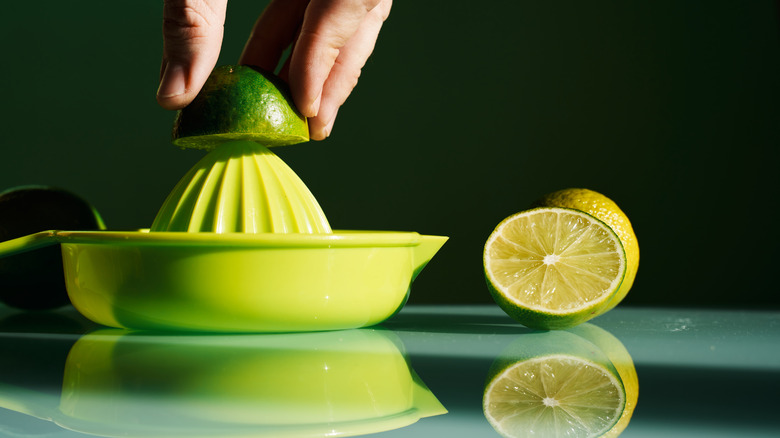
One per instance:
[(273, 32), (326, 28), (192, 36), (344, 74)]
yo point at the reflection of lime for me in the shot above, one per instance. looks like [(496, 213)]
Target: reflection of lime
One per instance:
[(554, 396), (579, 382), (240, 103), (553, 268), (605, 209), (621, 360)]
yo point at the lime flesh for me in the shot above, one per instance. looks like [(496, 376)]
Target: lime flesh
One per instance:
[(553, 268)]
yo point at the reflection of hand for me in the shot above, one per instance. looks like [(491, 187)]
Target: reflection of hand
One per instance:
[(332, 39)]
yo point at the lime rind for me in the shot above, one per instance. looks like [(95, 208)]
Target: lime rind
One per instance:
[(528, 312), (240, 102)]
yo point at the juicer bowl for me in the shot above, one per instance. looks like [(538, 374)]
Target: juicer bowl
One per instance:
[(237, 282)]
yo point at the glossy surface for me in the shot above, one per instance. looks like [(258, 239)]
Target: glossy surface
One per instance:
[(241, 187), (701, 373), (346, 383), (237, 282)]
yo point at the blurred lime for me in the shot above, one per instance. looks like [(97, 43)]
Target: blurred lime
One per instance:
[(553, 384), (605, 209), (34, 280), (553, 268), (240, 102)]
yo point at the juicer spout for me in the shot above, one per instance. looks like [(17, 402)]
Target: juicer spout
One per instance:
[(424, 252)]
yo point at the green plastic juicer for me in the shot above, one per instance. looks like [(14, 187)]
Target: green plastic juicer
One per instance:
[(240, 244)]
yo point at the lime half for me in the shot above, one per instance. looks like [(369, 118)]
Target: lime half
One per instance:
[(552, 268), (240, 102), (554, 396)]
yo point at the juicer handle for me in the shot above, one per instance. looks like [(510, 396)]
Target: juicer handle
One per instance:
[(28, 243)]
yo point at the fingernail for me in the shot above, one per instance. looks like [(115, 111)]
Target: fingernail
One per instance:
[(315, 106), (172, 82), (329, 127)]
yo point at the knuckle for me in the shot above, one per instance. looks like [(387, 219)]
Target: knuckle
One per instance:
[(383, 8), (187, 19), (348, 76)]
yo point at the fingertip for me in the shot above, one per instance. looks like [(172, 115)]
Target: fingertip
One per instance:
[(329, 127), (308, 107), (317, 131), (172, 91), (173, 103), (173, 82), (320, 128), (314, 107)]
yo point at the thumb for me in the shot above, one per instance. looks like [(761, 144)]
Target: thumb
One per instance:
[(192, 37)]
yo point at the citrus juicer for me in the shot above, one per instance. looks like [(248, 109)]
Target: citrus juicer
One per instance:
[(240, 245)]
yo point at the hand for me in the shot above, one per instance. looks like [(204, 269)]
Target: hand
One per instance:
[(331, 41)]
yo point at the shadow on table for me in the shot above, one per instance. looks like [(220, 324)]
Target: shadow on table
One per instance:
[(459, 321)]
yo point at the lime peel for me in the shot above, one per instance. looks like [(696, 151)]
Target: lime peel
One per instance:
[(240, 102)]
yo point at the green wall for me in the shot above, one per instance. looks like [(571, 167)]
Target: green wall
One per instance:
[(465, 114)]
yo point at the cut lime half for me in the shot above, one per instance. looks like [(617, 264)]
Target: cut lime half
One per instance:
[(552, 268), (240, 102)]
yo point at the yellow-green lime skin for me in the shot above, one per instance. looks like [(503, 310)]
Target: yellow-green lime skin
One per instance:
[(240, 102), (604, 208), (624, 365)]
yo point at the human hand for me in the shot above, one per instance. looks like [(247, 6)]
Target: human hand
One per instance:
[(331, 41)]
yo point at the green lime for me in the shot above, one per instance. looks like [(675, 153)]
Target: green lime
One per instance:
[(553, 268), (34, 280), (240, 102)]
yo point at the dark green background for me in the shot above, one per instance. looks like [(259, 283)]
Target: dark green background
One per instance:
[(466, 113)]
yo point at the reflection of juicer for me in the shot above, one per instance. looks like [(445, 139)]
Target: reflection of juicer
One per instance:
[(306, 384), (121, 383)]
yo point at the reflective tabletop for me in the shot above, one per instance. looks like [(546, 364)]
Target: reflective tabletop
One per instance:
[(428, 371)]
